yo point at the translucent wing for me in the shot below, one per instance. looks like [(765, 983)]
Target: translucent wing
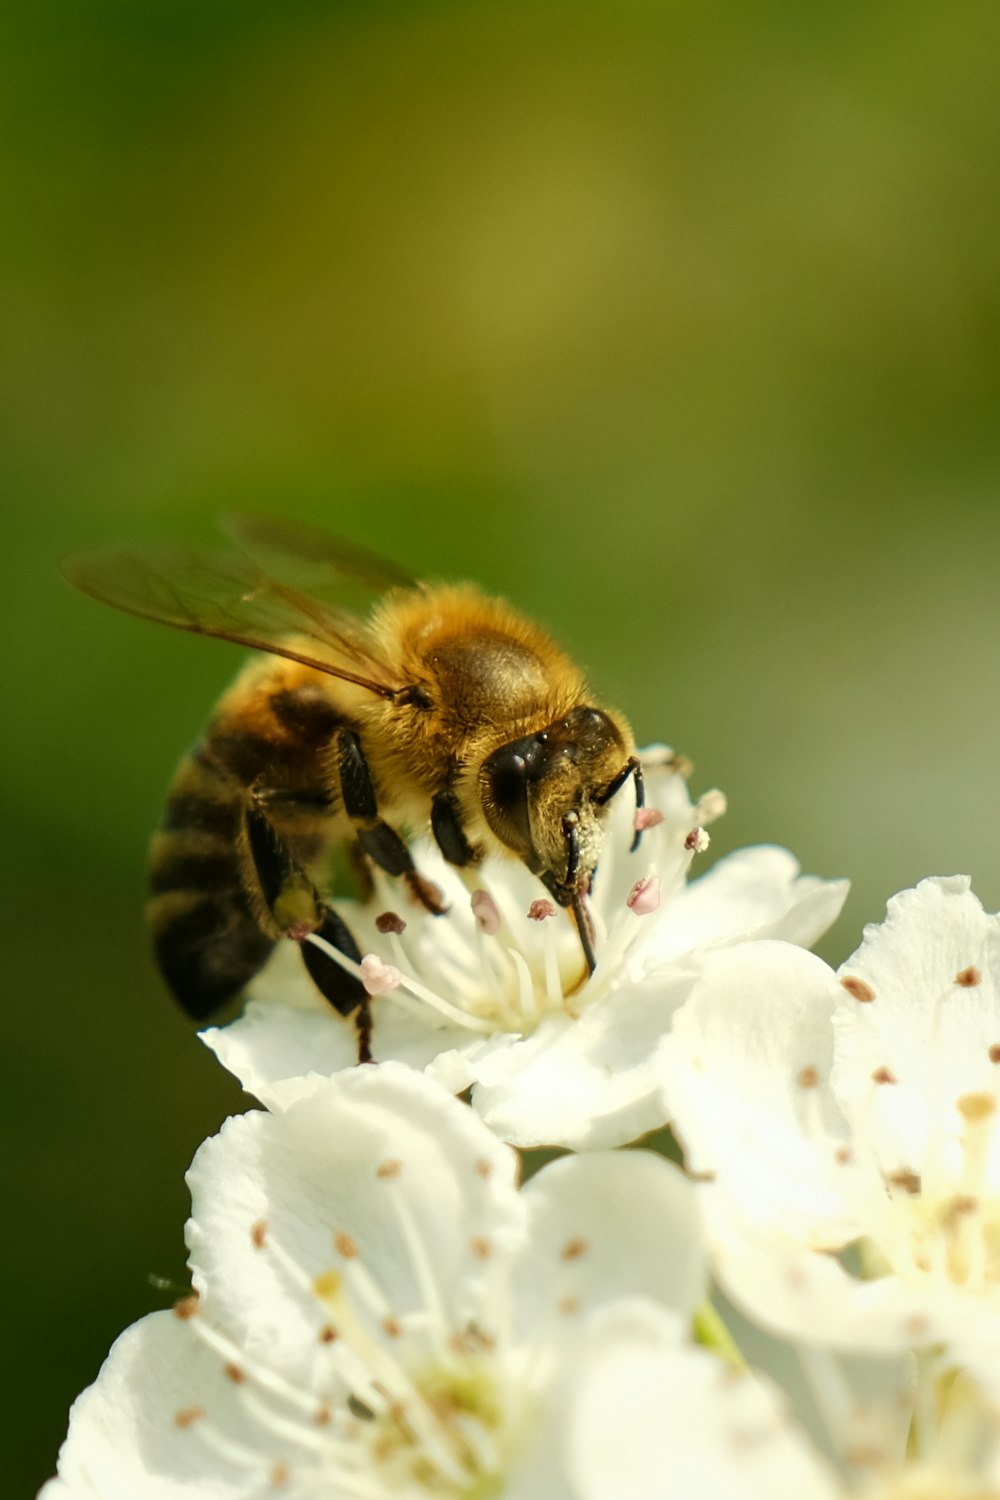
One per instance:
[(224, 595), (311, 558)]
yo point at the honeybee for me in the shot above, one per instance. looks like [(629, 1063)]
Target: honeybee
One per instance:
[(442, 707)]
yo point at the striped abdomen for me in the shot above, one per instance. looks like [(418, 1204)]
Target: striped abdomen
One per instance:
[(208, 916)]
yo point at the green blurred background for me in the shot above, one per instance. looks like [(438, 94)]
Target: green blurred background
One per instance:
[(677, 323)]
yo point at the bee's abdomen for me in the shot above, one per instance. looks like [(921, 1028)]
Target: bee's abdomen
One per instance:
[(206, 939), (208, 923)]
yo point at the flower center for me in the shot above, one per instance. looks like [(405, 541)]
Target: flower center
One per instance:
[(945, 1227)]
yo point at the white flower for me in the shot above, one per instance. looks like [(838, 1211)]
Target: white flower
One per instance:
[(862, 1106), (655, 1419), (495, 997), (378, 1312)]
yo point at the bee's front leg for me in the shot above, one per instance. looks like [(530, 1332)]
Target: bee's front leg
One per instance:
[(380, 842)]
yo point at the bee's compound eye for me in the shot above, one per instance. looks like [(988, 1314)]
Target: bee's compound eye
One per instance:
[(507, 773)]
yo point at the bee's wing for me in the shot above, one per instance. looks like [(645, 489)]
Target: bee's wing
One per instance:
[(312, 558), (224, 595)]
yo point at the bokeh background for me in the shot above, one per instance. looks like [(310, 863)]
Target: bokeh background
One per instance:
[(675, 322)]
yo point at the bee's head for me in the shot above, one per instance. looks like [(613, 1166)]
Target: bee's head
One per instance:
[(544, 796)]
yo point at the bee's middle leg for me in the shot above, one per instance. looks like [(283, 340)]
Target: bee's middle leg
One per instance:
[(380, 842)]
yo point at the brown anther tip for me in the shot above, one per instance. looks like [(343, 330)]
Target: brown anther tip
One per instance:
[(484, 1167), (858, 988), (807, 1078), (188, 1415), (280, 1474), (974, 1107), (906, 1179), (994, 1053), (843, 1156), (345, 1245), (327, 1334), (391, 1168), (390, 922), (186, 1307), (964, 1203), (539, 910), (235, 1374), (258, 1234), (884, 1075), (323, 1416), (969, 978), (480, 1247), (574, 1248), (392, 1327), (568, 1306)]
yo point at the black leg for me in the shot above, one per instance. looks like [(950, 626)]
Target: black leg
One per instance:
[(446, 826), (380, 842)]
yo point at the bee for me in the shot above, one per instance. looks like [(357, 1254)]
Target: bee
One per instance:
[(443, 707)]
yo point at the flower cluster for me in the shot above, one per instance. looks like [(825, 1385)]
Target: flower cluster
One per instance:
[(809, 1305)]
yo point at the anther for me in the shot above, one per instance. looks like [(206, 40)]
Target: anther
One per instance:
[(906, 1179), (994, 1053), (646, 817), (974, 1107), (858, 989), (188, 1416), (539, 910), (391, 1168), (569, 1305), (480, 1247), (392, 1327), (969, 978), (697, 841), (280, 1474), (187, 1307), (574, 1248), (884, 1075), (377, 976), (235, 1373), (484, 1167), (345, 1245), (644, 897), (390, 922), (808, 1078), (258, 1234), (486, 913), (711, 806)]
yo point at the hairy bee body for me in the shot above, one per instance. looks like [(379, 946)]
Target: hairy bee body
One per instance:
[(481, 675), (443, 709)]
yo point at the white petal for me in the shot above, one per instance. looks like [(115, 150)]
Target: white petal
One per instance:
[(752, 893), (586, 1084), (746, 1078), (933, 968), (333, 1183), (803, 1295), (134, 1435), (280, 1038), (605, 1226), (655, 1419)]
